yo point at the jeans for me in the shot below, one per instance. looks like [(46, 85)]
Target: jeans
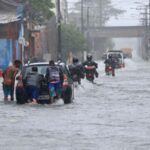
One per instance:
[(32, 92)]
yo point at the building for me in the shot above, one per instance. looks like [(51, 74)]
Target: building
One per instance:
[(10, 32)]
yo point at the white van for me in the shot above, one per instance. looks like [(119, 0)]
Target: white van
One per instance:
[(118, 56)]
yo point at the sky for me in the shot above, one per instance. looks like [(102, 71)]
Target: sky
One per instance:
[(132, 17), (133, 8)]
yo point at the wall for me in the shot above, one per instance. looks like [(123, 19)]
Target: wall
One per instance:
[(5, 53), (9, 51), (43, 41)]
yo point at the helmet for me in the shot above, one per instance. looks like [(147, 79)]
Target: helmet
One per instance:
[(110, 56), (89, 57), (75, 60)]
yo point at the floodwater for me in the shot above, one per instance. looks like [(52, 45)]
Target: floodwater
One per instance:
[(111, 115)]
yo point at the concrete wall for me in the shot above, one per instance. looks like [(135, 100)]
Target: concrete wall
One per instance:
[(116, 32), (43, 41)]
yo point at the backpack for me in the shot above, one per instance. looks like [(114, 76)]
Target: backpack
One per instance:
[(54, 74)]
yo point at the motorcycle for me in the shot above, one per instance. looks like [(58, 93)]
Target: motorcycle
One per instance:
[(109, 70), (90, 72)]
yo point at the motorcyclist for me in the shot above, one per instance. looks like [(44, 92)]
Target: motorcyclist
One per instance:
[(76, 70), (110, 61), (89, 63), (54, 77)]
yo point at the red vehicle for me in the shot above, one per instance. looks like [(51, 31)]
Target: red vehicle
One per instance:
[(109, 70), (90, 72)]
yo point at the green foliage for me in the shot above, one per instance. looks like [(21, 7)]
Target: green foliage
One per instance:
[(107, 10), (100, 11), (72, 39), (39, 11)]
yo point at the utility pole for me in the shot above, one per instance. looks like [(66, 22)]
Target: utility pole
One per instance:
[(146, 17), (82, 20), (149, 13), (88, 17), (148, 39), (88, 24), (101, 15), (59, 55), (66, 11), (146, 32)]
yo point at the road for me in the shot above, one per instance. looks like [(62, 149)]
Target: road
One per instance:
[(111, 115)]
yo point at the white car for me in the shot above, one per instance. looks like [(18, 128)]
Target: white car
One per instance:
[(67, 89)]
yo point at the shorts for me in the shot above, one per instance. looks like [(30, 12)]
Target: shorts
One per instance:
[(54, 89), (7, 90)]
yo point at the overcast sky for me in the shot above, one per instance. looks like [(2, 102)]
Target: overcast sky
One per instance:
[(130, 17)]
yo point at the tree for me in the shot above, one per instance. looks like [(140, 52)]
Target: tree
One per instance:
[(96, 13), (100, 12), (72, 40), (39, 11)]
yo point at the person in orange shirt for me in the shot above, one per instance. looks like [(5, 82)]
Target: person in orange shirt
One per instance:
[(8, 79)]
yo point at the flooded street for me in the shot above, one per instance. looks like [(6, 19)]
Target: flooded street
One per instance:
[(113, 114)]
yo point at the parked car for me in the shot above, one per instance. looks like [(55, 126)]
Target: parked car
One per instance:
[(67, 90)]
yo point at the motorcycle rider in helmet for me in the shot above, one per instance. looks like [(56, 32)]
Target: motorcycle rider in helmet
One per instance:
[(110, 62), (76, 70), (89, 62)]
